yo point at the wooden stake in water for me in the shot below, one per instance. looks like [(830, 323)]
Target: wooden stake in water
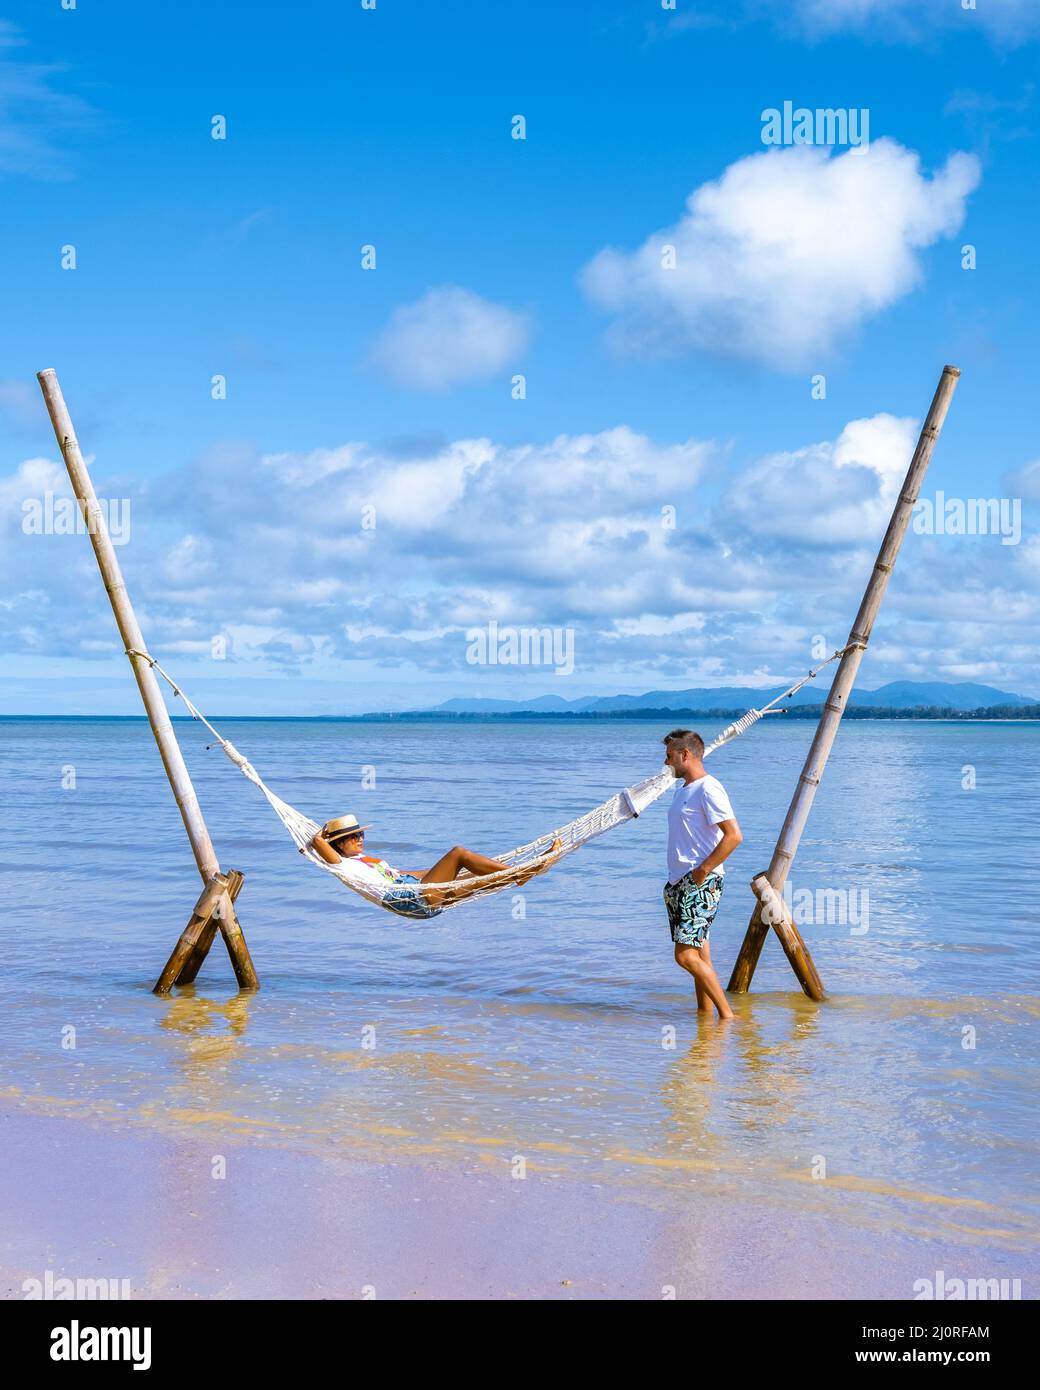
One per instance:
[(147, 683), (837, 699)]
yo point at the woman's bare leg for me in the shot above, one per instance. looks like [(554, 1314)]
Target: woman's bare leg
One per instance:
[(458, 858), (450, 865)]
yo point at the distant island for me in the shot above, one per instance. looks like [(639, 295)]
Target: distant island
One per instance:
[(896, 700)]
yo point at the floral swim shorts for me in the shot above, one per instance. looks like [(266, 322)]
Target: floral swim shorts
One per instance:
[(692, 909)]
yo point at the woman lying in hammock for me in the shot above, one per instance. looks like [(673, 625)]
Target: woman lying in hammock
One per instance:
[(341, 842)]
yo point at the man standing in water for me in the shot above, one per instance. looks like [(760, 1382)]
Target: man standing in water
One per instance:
[(702, 832)]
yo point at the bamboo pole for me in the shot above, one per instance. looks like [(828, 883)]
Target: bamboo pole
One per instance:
[(834, 706), (133, 640)]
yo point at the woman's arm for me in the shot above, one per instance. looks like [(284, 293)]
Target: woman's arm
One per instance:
[(324, 848)]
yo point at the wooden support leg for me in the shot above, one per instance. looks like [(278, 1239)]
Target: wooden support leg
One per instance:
[(214, 909), (750, 950), (771, 912), (201, 916), (241, 961), (199, 951)]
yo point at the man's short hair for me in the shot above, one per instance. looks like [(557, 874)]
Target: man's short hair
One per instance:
[(685, 738)]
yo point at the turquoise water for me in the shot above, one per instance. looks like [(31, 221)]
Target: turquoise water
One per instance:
[(547, 1034)]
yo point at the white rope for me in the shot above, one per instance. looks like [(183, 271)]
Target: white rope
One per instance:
[(521, 861), (754, 715)]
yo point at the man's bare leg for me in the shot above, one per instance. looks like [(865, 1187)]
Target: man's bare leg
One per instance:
[(703, 1002), (703, 972)]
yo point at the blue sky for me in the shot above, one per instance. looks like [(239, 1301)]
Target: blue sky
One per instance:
[(391, 387)]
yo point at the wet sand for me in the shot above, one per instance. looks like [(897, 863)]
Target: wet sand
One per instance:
[(87, 1200)]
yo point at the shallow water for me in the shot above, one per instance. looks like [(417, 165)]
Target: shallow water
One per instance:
[(484, 1034)]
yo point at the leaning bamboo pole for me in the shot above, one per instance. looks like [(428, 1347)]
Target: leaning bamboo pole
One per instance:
[(837, 699), (133, 641)]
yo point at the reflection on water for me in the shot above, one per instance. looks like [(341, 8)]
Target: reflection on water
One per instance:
[(480, 1036), (877, 1090)]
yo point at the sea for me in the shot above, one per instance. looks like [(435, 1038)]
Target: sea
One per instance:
[(549, 1026)]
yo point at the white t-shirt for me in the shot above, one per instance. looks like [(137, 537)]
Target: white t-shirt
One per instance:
[(693, 824)]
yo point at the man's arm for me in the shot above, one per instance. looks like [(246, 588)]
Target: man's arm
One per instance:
[(731, 838)]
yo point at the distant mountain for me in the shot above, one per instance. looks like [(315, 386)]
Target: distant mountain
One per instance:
[(707, 697), (714, 697), (545, 704), (960, 696)]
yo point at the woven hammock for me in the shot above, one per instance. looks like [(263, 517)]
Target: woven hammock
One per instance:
[(523, 862)]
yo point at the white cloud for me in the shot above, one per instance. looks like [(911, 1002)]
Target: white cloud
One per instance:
[(1011, 21), (416, 494), (575, 531), (31, 481), (36, 115), (838, 492), (449, 336), (653, 625), (784, 255), (1006, 22), (1025, 481)]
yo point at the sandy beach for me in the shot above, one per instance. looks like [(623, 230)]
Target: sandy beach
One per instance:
[(90, 1201)]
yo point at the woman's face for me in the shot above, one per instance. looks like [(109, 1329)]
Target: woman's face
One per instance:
[(350, 844)]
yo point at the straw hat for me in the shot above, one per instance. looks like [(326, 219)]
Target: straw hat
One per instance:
[(344, 825)]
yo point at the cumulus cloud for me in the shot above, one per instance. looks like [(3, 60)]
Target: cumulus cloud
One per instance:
[(390, 556), (784, 255), (32, 479), (355, 552), (837, 492), (449, 336)]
